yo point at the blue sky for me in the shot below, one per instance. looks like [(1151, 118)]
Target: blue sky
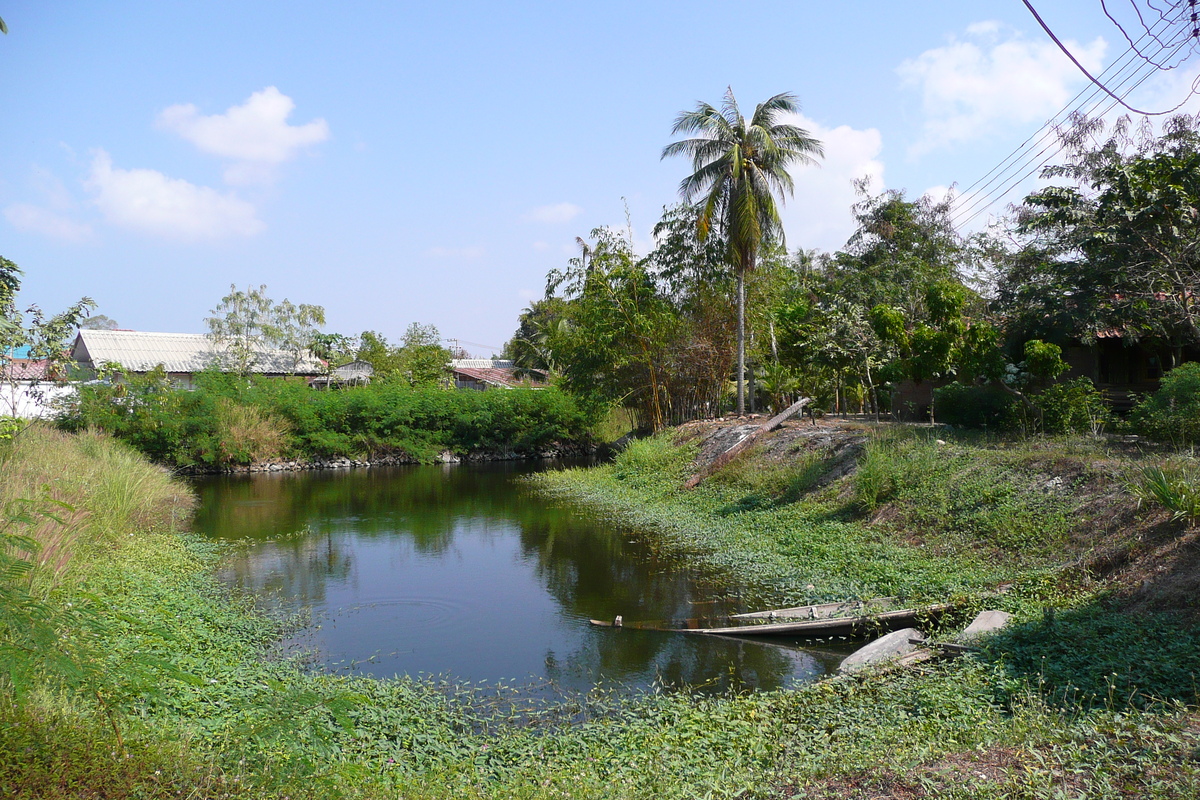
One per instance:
[(431, 162)]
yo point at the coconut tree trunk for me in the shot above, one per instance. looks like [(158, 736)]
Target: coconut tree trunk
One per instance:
[(741, 343)]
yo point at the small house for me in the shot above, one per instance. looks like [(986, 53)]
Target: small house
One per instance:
[(356, 373), (491, 373), (28, 386)]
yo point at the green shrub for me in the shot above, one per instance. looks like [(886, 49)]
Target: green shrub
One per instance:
[(1075, 406), (148, 412), (232, 420), (1175, 487), (973, 406), (1172, 414)]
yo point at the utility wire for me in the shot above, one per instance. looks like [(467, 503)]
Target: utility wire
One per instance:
[(1048, 126), (1089, 75), (1162, 18), (982, 203), (1023, 156)]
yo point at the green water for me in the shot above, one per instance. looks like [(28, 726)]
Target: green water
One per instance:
[(459, 571)]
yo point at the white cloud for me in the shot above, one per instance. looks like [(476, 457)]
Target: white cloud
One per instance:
[(555, 214), (28, 217), (256, 135), (990, 80), (541, 247), (818, 215), (53, 216), (147, 201), (467, 253)]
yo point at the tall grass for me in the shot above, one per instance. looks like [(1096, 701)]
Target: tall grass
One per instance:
[(249, 434), (94, 490), (1175, 486)]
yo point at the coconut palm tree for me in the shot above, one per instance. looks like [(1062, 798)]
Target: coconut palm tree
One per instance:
[(739, 166)]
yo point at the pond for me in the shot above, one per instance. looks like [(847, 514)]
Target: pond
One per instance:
[(460, 571)]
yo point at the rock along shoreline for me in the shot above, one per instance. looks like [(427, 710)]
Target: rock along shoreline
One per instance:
[(568, 450)]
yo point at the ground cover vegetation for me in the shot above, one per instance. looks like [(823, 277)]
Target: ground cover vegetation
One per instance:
[(129, 672)]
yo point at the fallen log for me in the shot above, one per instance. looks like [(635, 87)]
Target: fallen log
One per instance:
[(740, 446)]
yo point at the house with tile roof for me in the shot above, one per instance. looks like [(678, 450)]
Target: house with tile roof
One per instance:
[(491, 373), (28, 386)]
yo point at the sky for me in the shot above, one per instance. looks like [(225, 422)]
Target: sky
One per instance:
[(431, 162)]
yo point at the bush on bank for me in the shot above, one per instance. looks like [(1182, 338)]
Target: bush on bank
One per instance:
[(233, 420)]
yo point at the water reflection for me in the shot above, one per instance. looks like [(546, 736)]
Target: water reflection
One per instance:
[(459, 571)]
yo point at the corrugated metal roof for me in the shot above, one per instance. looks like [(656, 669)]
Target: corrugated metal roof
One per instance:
[(141, 351), (481, 363), (355, 370), (504, 376)]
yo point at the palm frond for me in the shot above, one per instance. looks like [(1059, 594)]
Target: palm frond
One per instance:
[(767, 111)]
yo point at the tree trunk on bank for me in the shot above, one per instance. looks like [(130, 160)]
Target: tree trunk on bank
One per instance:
[(741, 342), (750, 378)]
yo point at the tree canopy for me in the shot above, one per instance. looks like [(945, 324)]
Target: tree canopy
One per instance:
[(739, 166)]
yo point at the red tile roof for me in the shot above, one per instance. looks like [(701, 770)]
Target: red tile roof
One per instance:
[(26, 369), (496, 376)]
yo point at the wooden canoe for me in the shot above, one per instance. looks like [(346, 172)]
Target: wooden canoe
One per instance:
[(821, 619)]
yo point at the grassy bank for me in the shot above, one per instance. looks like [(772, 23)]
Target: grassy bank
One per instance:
[(130, 673), (917, 518)]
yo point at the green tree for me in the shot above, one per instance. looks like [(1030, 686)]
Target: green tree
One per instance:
[(739, 166), (385, 359), (245, 323), (334, 349), (897, 250), (294, 328), (530, 347), (1119, 250), (99, 322), (618, 331), (44, 335), (423, 359)]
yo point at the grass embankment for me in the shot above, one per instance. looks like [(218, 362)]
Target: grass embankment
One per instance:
[(916, 518), (129, 673)]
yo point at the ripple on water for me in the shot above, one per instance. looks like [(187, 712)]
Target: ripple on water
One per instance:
[(409, 613)]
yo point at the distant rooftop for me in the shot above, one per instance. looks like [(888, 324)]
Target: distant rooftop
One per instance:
[(481, 363), (141, 351)]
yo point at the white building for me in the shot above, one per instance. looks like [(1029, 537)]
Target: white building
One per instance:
[(26, 388)]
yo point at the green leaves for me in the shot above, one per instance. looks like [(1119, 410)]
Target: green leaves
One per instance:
[(245, 323), (1174, 486), (1172, 413)]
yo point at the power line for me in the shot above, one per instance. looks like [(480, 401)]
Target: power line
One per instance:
[(1023, 156), (981, 202), (1141, 20), (1091, 77), (1039, 134)]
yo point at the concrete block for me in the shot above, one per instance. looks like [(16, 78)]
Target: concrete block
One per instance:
[(885, 648), (986, 622)]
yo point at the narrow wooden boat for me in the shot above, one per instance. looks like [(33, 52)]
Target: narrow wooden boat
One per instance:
[(825, 618)]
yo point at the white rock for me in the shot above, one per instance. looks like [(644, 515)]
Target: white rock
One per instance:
[(986, 622), (885, 648)]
